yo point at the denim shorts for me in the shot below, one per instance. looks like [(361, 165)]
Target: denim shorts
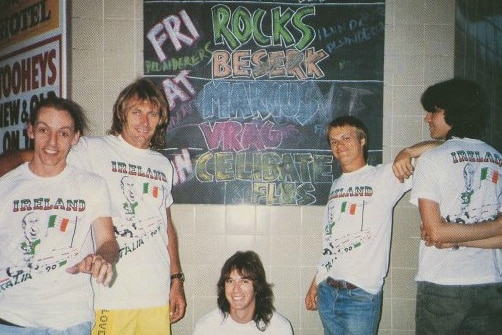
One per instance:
[(348, 310), (458, 309)]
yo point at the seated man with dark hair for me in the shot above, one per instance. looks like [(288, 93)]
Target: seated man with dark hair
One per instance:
[(245, 301)]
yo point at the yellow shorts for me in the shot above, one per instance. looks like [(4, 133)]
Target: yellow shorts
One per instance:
[(147, 321)]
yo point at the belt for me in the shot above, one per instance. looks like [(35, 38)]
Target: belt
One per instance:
[(7, 323), (340, 284)]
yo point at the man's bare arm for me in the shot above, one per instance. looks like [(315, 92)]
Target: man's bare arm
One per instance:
[(494, 242), (177, 300), (403, 167), (488, 243), (436, 231), (12, 159), (100, 264), (106, 243), (311, 296)]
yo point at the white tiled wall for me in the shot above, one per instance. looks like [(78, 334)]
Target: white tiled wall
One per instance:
[(106, 51)]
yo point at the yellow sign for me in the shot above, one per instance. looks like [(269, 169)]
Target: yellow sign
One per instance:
[(22, 20)]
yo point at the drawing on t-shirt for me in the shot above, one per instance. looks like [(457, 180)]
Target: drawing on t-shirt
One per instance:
[(36, 252), (475, 203), (350, 236), (131, 195), (140, 215)]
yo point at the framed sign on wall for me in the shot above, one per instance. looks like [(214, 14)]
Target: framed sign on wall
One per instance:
[(32, 63)]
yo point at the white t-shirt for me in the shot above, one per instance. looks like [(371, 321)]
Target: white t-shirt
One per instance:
[(464, 177), (140, 183), (213, 323), (358, 225), (45, 227)]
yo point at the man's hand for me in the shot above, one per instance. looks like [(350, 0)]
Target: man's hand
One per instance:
[(311, 297), (402, 166), (95, 265), (431, 243), (177, 301)]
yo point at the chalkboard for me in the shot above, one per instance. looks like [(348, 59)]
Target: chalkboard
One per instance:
[(251, 87)]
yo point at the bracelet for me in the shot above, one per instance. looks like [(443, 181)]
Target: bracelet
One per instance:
[(180, 276)]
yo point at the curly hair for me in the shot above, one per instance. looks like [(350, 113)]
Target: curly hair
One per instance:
[(248, 265), (145, 90), (464, 103)]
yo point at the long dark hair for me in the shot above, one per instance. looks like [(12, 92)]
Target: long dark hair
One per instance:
[(144, 90), (464, 103), (248, 265)]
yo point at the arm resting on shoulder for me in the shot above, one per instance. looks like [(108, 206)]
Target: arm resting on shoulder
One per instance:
[(438, 231), (12, 159), (403, 167)]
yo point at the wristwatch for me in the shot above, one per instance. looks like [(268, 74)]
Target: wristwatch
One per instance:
[(180, 276)]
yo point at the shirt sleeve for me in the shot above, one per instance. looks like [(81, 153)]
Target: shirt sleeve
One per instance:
[(79, 154), (425, 182), (101, 202)]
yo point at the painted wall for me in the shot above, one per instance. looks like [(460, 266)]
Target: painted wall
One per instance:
[(107, 53)]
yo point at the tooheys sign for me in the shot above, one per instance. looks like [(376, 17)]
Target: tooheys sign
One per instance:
[(32, 63)]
